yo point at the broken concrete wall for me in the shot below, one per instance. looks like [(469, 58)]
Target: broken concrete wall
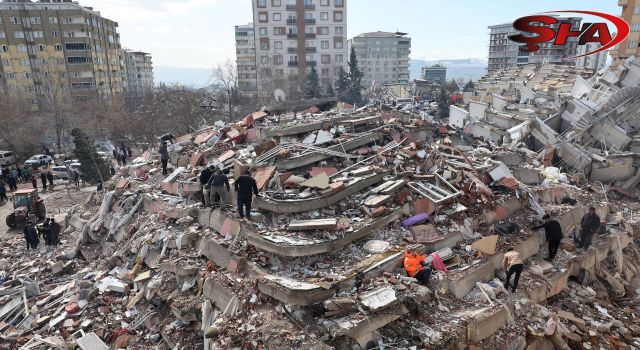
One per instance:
[(499, 102), (458, 117), (613, 169), (476, 110), (610, 135)]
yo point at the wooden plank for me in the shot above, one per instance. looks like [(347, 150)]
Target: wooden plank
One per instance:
[(376, 201), (317, 224), (396, 186)]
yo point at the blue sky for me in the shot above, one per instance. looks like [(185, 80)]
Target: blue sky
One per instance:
[(199, 33)]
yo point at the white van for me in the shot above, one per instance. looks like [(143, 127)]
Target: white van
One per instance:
[(6, 158)]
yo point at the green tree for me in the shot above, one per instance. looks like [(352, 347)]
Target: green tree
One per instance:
[(355, 79), (93, 168), (328, 91), (468, 86), (443, 104), (342, 84), (313, 84), (451, 86)]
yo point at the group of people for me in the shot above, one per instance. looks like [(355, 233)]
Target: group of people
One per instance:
[(215, 185), (120, 154), (418, 267), (50, 234)]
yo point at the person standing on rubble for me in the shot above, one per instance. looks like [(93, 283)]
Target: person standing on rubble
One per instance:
[(54, 232), (552, 234), (512, 264), (205, 176), (46, 232), (245, 187), (31, 236), (164, 157), (34, 183), (589, 224), (415, 266), (43, 179), (50, 178), (217, 184)]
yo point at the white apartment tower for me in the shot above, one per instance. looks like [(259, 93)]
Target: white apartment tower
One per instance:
[(292, 36), (383, 57), (246, 59), (138, 71)]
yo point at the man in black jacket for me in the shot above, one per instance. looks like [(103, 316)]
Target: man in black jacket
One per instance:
[(553, 235), (205, 176), (246, 187), (217, 184), (31, 236), (588, 226), (54, 232), (164, 157)]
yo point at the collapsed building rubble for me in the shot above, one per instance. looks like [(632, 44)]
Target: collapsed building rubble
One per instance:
[(343, 193)]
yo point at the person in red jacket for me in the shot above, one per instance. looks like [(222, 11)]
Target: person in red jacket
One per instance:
[(414, 265)]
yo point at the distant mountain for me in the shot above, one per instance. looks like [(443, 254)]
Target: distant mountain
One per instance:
[(466, 68), (194, 77)]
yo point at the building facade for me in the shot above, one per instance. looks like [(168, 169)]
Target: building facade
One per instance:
[(292, 36), (383, 57), (504, 53), (246, 59), (51, 46), (631, 45), (137, 71), (436, 74), (595, 61)]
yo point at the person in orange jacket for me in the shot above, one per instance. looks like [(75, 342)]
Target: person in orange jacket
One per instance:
[(415, 266)]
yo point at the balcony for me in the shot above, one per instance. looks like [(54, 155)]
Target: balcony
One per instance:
[(309, 7), (310, 49), (292, 63), (291, 7), (291, 21), (310, 35), (309, 21), (310, 63), (292, 49), (292, 35)]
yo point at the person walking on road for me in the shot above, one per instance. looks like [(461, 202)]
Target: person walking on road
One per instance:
[(245, 187)]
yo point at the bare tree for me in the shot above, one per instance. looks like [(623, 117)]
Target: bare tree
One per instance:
[(18, 131), (56, 102), (227, 76)]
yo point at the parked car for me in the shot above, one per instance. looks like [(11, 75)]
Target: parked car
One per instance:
[(75, 166), (106, 156), (60, 171), (38, 159), (6, 158)]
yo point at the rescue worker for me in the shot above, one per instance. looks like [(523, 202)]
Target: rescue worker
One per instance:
[(245, 187), (205, 176), (164, 157), (50, 178), (43, 179), (25, 173), (12, 182), (414, 265), (76, 178), (31, 236), (552, 234), (589, 224), (217, 184), (3, 192), (512, 264), (46, 233), (34, 183), (54, 232)]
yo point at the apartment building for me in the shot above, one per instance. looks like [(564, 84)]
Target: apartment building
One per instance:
[(246, 59), (383, 57), (137, 71), (52, 45), (291, 36), (631, 45), (504, 53), (595, 61), (436, 74)]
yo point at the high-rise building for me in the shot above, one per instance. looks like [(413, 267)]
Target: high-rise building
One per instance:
[(595, 61), (436, 74), (504, 53), (631, 45), (292, 36), (383, 57), (48, 46), (137, 71), (246, 59)]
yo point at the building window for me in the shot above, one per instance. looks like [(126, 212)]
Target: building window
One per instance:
[(2, 35), (22, 48), (324, 2), (309, 30), (38, 34), (339, 3), (10, 75), (339, 31), (337, 43), (337, 16), (262, 3), (323, 30), (55, 34), (277, 16), (279, 31), (35, 20), (53, 20), (636, 10), (277, 59), (293, 30), (264, 45), (42, 48), (279, 72), (15, 20), (632, 44), (78, 60), (264, 59), (339, 58), (324, 44), (263, 17), (324, 72), (24, 62), (58, 47), (277, 44), (324, 16), (263, 31), (4, 48), (18, 34), (6, 62), (68, 20), (325, 59), (635, 27), (276, 3)]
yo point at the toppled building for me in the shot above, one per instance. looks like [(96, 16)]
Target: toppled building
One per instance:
[(319, 264)]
